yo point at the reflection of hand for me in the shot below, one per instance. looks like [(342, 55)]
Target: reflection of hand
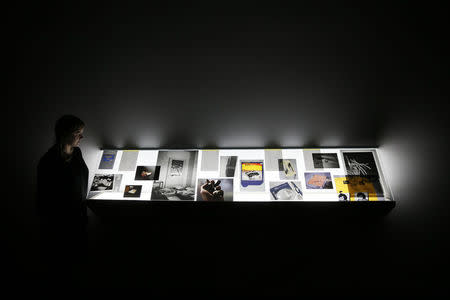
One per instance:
[(211, 191)]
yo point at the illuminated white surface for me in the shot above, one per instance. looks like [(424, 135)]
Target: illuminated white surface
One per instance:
[(149, 158)]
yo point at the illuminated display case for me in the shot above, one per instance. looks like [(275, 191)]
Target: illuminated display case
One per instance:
[(239, 175)]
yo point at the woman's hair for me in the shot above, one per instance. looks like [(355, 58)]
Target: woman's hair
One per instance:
[(65, 127)]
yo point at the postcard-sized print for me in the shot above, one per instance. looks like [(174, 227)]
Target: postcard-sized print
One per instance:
[(287, 169), (360, 164), (228, 166), (252, 173), (284, 190), (325, 160), (147, 173), (252, 176), (106, 182), (318, 180), (108, 159), (358, 188), (132, 191), (215, 189)]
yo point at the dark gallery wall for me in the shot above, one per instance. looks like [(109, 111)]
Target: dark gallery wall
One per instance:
[(224, 77)]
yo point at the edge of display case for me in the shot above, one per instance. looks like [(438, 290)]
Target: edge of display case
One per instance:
[(155, 208)]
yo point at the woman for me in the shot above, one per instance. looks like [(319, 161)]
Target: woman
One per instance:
[(62, 177)]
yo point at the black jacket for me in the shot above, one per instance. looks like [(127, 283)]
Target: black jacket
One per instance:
[(62, 186)]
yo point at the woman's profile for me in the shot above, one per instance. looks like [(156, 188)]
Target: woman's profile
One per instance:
[(62, 177)]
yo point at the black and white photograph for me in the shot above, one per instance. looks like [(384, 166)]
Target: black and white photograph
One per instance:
[(132, 191), (176, 167), (102, 183), (361, 196), (287, 169), (147, 173), (228, 166), (215, 189), (285, 190), (325, 160), (177, 175), (360, 164)]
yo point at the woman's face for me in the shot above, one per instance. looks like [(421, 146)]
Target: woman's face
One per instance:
[(77, 136)]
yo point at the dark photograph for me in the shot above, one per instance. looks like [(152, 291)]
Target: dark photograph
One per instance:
[(360, 164), (132, 191), (325, 160), (147, 173)]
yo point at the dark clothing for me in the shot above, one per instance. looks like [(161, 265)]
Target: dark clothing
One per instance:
[(61, 204), (62, 186)]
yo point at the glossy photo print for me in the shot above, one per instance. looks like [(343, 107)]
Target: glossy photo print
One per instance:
[(228, 166), (147, 173), (177, 175), (358, 188), (325, 160), (318, 180), (287, 169), (106, 182), (108, 159), (102, 183), (215, 189), (285, 190), (360, 164), (133, 191)]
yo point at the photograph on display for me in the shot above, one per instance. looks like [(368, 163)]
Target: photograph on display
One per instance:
[(252, 175), (318, 180), (129, 160), (360, 164), (106, 182), (108, 159), (358, 188), (132, 191), (176, 167), (177, 175), (215, 189), (325, 160), (147, 173), (287, 169), (343, 196), (228, 166), (285, 190)]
